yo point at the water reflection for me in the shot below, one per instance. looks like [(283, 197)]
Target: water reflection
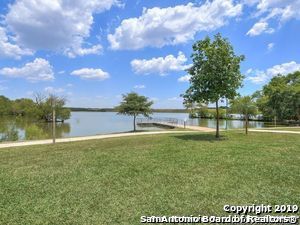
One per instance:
[(20, 128), (9, 133), (92, 123), (230, 124), (44, 131)]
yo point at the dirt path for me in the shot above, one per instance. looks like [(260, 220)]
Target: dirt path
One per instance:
[(275, 131), (94, 137)]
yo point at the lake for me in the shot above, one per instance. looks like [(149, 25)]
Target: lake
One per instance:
[(91, 123)]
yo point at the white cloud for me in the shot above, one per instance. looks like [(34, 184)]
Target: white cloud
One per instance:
[(139, 86), (52, 90), (157, 27), (270, 46), (77, 50), (38, 70), (59, 25), (282, 9), (278, 10), (284, 68), (91, 74), (185, 78), (95, 49), (9, 50), (259, 28), (260, 77), (257, 76), (160, 65)]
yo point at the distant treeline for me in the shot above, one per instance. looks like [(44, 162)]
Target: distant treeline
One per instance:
[(78, 109)]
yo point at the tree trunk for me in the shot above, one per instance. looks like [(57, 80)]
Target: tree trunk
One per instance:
[(226, 114), (218, 127), (246, 117), (134, 129), (53, 126)]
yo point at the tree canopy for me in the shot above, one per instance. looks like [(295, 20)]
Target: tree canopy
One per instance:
[(46, 104), (40, 109), (134, 105), (215, 72), (5, 106), (281, 97), (246, 106)]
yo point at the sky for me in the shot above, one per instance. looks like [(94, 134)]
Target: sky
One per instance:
[(93, 51)]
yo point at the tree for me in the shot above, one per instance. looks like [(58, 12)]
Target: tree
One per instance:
[(191, 106), (57, 103), (41, 109), (195, 109), (280, 98), (134, 105), (24, 107), (215, 73), (203, 111), (5, 105), (246, 106), (46, 104)]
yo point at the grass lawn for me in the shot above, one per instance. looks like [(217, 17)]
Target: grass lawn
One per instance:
[(115, 181)]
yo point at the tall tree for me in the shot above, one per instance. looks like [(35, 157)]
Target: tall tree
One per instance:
[(215, 73), (280, 98), (46, 104), (246, 106), (134, 105)]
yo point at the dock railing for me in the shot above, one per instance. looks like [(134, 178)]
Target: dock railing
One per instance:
[(161, 120)]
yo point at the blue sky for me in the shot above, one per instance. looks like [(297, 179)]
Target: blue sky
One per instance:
[(94, 51)]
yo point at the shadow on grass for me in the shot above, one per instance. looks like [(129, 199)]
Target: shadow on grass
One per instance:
[(200, 137)]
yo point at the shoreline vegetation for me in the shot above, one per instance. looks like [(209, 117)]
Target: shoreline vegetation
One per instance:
[(210, 113), (40, 109), (81, 109)]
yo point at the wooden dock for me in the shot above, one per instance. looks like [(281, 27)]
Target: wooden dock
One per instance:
[(171, 123)]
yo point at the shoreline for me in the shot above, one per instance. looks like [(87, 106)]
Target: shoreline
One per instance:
[(85, 138)]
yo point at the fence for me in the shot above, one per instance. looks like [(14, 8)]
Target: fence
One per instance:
[(161, 121)]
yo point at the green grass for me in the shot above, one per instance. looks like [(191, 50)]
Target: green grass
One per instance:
[(115, 181)]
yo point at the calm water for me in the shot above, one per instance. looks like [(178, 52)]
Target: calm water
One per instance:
[(91, 123)]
